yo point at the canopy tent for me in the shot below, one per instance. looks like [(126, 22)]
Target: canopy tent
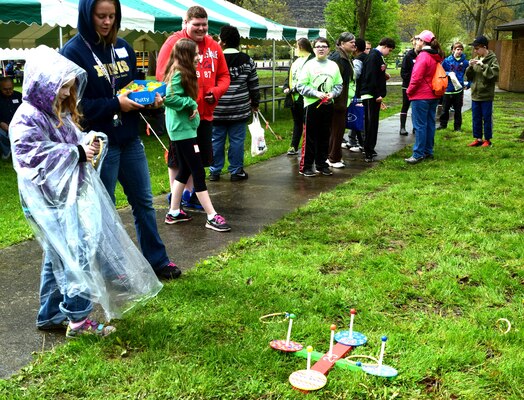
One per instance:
[(29, 23)]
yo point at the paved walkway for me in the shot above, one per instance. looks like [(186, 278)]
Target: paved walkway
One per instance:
[(274, 189)]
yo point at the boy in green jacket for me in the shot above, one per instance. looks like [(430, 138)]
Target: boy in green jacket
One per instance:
[(482, 73)]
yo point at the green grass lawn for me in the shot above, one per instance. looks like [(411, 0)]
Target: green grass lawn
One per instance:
[(429, 254)]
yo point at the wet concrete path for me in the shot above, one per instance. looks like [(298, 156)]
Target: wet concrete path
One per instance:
[(274, 188)]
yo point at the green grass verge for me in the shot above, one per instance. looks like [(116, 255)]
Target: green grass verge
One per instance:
[(430, 255)]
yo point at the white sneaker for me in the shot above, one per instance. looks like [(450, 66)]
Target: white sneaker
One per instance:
[(356, 149), (338, 164), (345, 145)]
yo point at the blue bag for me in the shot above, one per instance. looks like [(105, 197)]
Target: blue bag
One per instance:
[(355, 116)]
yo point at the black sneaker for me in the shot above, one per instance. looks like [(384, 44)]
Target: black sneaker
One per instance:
[(326, 171), (218, 223), (441, 127), (369, 159), (214, 177), (169, 271), (308, 172), (181, 217), (403, 132), (239, 176)]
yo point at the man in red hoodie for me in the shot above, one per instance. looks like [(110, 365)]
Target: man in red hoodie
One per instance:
[(213, 82)]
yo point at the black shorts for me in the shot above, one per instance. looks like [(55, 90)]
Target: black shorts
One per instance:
[(204, 134)]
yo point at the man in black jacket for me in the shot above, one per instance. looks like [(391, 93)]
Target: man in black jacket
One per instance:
[(10, 100), (405, 72), (342, 56), (373, 91)]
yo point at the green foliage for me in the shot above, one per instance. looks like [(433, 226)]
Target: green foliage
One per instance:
[(383, 21), (341, 15), (265, 52), (440, 17), (277, 10)]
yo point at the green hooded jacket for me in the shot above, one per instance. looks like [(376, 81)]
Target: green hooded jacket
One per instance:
[(483, 77)]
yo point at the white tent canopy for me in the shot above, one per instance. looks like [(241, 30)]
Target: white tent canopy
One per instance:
[(13, 54), (29, 23)]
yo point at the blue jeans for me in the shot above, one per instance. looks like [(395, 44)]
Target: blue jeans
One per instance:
[(237, 135), (55, 307), (423, 119), (5, 147), (128, 165), (482, 113)]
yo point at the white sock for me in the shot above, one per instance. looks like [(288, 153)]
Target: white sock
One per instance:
[(211, 216), (174, 212)]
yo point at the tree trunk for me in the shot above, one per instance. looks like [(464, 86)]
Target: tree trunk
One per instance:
[(363, 8)]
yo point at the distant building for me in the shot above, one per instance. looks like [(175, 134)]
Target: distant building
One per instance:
[(307, 13)]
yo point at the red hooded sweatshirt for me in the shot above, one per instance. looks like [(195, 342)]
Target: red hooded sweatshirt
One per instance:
[(212, 70), (423, 70)]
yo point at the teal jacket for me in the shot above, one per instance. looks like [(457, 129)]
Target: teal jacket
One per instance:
[(483, 78), (179, 108)]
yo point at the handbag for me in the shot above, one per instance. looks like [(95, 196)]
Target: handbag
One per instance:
[(258, 142), (355, 116)]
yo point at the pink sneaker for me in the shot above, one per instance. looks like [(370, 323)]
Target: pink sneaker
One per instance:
[(89, 327)]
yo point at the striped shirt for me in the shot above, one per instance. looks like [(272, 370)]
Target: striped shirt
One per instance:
[(243, 93)]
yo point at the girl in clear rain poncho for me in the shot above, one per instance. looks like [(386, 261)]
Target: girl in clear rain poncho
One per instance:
[(88, 256)]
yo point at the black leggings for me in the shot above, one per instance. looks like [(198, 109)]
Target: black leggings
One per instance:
[(190, 163)]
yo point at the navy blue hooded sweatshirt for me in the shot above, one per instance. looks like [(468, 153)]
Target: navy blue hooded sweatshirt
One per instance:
[(99, 103)]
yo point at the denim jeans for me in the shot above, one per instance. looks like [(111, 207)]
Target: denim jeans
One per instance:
[(482, 114), (5, 147), (128, 165), (55, 307), (423, 119), (237, 134)]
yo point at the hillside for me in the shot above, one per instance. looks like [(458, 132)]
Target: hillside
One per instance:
[(307, 13)]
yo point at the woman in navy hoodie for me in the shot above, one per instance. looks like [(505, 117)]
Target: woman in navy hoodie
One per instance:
[(110, 63)]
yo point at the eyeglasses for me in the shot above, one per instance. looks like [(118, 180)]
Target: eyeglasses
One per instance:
[(321, 47), (417, 38)]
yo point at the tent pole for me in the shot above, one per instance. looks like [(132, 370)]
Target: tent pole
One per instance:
[(273, 77), (60, 38)]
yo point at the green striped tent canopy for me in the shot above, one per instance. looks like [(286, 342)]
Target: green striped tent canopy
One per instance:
[(29, 23)]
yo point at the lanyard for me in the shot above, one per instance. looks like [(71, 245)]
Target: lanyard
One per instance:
[(111, 80)]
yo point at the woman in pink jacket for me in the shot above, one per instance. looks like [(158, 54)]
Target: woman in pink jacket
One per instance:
[(423, 101)]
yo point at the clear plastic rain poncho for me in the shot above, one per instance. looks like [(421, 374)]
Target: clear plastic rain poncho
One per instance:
[(65, 201)]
